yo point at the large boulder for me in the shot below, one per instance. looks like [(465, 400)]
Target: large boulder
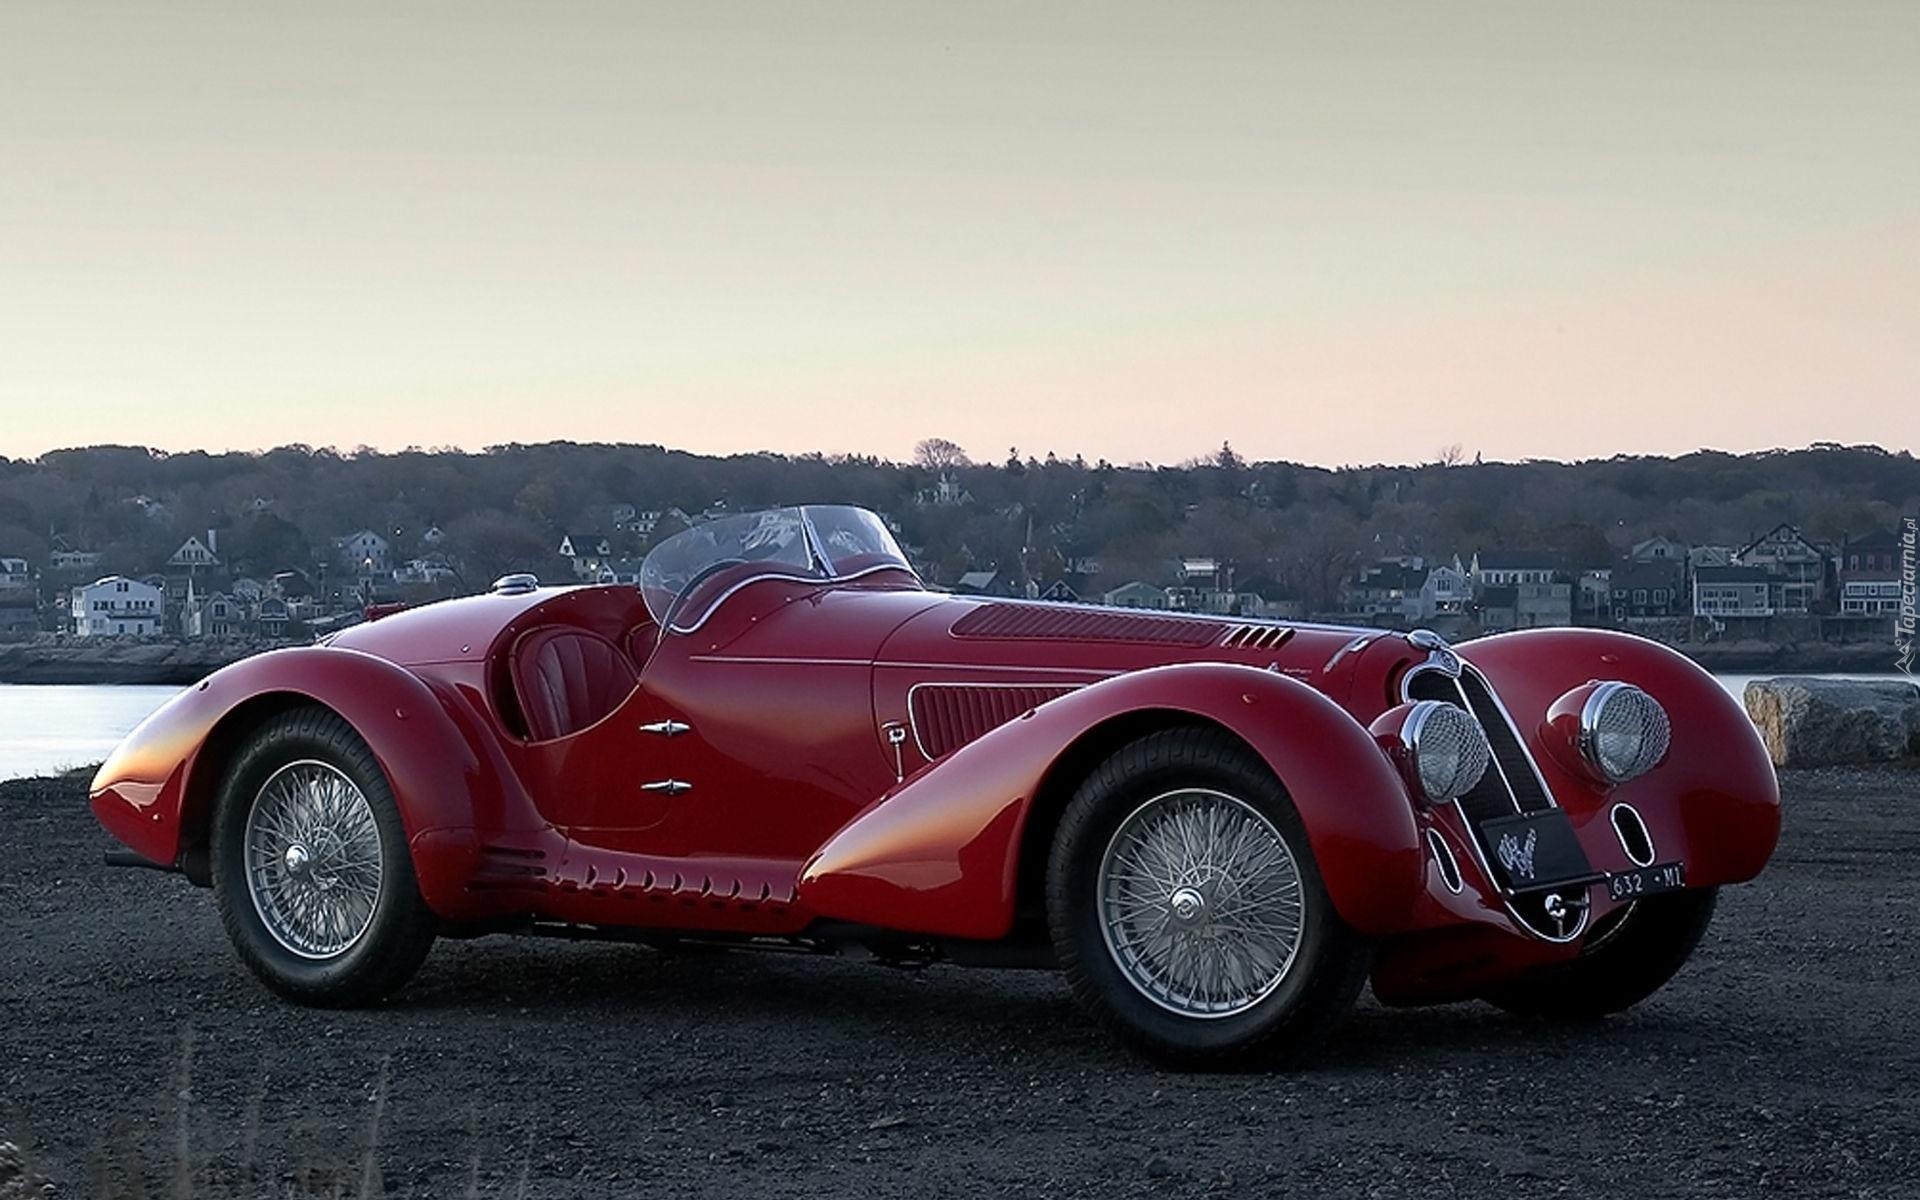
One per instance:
[(1808, 722)]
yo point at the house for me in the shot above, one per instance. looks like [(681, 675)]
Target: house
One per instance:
[(1137, 595), (1498, 609), (365, 553), (248, 591), (1876, 554), (117, 605), (14, 575), (195, 556), (1503, 568), (619, 570), (419, 571), (589, 552), (1060, 592), (982, 583), (1870, 594), (945, 492), (214, 616), (1446, 591), (433, 536), (1738, 592), (73, 560), (1389, 590), (272, 617), (1543, 594), (1647, 589), (1658, 548), (18, 613), (290, 585), (1593, 592), (1710, 556), (1796, 568)]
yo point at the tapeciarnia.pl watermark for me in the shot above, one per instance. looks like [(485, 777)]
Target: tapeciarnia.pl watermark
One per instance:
[(1903, 623)]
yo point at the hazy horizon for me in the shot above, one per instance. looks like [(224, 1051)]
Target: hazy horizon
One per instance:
[(1068, 454), (1127, 231)]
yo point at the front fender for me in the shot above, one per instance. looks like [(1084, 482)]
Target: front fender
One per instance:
[(940, 854), (164, 776), (1714, 801)]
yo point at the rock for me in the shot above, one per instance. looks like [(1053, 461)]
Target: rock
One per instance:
[(1808, 722)]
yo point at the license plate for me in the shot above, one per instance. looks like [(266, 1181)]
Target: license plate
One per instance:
[(1647, 881)]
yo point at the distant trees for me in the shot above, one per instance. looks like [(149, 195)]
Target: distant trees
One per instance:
[(938, 454), (504, 509)]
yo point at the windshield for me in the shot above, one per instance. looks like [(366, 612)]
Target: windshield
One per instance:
[(687, 575)]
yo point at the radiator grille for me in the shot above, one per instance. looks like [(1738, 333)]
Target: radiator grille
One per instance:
[(948, 716), (1513, 787)]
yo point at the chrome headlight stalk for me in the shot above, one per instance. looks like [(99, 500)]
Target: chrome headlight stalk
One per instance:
[(1611, 731), (1439, 747)]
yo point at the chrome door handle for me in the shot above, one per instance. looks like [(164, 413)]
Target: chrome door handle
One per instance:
[(672, 787), (667, 728)]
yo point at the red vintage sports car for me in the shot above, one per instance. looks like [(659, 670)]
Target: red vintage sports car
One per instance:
[(1218, 829)]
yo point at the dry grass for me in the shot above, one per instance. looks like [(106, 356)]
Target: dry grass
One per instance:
[(127, 1164)]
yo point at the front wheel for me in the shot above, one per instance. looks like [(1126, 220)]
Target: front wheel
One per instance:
[(1186, 908), (1629, 957), (311, 868)]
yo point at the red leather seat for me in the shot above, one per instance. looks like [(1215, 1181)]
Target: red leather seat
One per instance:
[(567, 679)]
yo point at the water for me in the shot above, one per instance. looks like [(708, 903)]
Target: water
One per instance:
[(45, 729)]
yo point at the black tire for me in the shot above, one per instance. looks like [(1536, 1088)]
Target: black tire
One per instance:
[(401, 928), (1624, 962), (1327, 969)]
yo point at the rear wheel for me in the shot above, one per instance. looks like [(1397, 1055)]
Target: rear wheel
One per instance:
[(1186, 908), (1628, 958), (311, 868)]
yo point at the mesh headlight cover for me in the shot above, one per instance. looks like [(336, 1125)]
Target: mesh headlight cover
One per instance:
[(1449, 749), (1623, 731)]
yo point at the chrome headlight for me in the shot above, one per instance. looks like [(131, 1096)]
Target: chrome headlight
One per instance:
[(1624, 733), (1447, 748)]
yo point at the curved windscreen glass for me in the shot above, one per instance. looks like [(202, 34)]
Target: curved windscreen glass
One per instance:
[(686, 575)]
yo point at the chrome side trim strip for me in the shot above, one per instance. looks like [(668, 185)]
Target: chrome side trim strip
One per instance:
[(672, 787)]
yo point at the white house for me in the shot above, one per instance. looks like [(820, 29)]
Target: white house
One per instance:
[(118, 605), (589, 552), (195, 554), (365, 552), (1137, 595), (422, 571), (14, 575), (619, 570), (1865, 595)]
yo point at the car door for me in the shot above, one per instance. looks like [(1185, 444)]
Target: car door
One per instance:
[(612, 784)]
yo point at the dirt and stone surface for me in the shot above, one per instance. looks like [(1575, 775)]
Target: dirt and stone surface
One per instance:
[(1783, 1061)]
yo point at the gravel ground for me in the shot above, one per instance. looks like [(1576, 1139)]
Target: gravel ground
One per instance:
[(1782, 1060)]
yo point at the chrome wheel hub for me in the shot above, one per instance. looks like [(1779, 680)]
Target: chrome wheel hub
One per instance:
[(1201, 903), (312, 856)]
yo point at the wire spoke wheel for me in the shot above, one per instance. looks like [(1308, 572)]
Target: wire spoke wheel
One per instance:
[(312, 857), (1201, 903)]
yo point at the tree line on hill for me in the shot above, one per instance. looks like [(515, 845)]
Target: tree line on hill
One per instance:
[(504, 508)]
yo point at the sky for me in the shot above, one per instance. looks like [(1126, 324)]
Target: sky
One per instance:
[(1332, 234)]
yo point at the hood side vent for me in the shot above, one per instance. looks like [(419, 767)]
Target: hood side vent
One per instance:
[(1064, 623), (946, 716)]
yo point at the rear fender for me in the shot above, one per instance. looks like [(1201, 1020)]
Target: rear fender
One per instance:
[(940, 854), (157, 789)]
